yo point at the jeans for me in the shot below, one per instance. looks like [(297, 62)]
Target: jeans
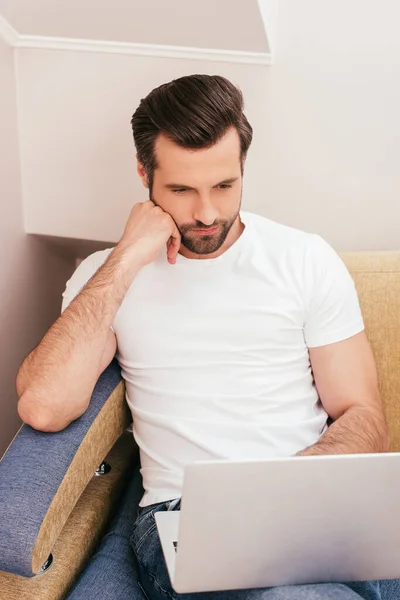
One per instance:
[(155, 583)]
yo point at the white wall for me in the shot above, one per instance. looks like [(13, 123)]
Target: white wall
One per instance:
[(207, 24), (326, 120), (32, 277), (331, 122)]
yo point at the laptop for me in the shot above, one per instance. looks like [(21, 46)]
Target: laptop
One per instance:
[(271, 522)]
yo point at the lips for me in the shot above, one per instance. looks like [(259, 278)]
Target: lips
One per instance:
[(205, 231)]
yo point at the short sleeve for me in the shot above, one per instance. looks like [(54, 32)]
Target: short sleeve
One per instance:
[(81, 276), (333, 311)]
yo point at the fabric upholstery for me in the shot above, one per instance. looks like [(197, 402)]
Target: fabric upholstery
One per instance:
[(43, 474), (377, 278), (111, 573), (83, 531)]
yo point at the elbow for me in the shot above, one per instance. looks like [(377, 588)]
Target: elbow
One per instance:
[(20, 383), (386, 439), (37, 418), (383, 433), (383, 427)]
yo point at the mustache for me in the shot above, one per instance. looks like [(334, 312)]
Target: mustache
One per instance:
[(198, 225)]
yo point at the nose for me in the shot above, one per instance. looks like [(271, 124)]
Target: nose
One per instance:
[(205, 211)]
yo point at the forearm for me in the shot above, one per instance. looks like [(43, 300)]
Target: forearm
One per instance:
[(359, 430), (60, 374)]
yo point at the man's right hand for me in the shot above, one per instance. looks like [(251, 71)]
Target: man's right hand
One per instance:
[(148, 230)]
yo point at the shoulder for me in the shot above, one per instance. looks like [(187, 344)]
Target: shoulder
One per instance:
[(276, 231), (277, 235), (90, 265), (277, 238), (95, 260), (306, 255), (84, 271)]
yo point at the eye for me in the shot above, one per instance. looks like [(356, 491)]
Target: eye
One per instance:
[(179, 190), (224, 186)]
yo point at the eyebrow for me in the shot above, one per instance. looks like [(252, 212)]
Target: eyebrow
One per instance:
[(171, 186)]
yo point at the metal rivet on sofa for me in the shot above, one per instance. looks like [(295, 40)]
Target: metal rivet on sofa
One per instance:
[(103, 469), (46, 565)]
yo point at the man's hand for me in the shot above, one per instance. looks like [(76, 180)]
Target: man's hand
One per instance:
[(148, 230)]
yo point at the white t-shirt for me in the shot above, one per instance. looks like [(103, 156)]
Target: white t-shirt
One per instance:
[(214, 352)]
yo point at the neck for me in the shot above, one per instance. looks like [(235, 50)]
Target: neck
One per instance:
[(234, 234)]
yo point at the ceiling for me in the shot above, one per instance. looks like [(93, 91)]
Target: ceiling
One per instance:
[(213, 24)]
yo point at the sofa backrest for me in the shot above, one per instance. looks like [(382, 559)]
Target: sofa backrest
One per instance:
[(377, 279)]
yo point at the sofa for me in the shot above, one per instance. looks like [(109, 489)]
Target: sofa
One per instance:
[(68, 499)]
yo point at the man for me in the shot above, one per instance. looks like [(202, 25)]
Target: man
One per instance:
[(237, 337)]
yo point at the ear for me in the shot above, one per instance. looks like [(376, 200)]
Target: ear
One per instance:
[(142, 173)]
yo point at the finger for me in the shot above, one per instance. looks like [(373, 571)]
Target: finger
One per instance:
[(172, 250), (168, 249), (174, 243)]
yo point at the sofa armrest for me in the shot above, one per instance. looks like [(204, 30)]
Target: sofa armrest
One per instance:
[(42, 475)]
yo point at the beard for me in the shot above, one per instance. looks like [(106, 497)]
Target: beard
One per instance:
[(204, 243)]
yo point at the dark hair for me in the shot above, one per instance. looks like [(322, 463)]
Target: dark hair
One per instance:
[(194, 112)]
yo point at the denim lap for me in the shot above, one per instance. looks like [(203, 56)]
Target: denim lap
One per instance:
[(155, 583)]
